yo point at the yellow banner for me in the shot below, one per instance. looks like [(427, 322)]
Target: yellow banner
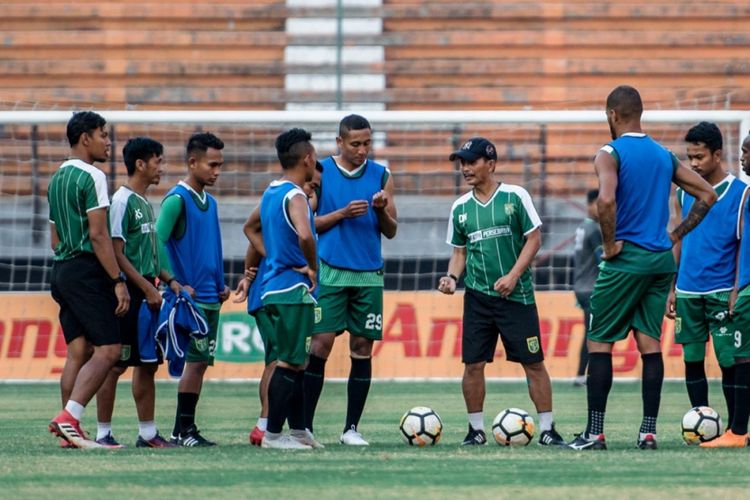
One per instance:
[(421, 338)]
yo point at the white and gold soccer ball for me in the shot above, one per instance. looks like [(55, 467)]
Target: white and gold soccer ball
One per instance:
[(513, 427), (701, 424), (421, 426)]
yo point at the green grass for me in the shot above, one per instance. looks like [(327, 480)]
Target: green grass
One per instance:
[(31, 464)]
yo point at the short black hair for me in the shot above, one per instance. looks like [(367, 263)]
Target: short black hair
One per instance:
[(626, 101), (83, 122), (201, 141), (140, 148), (592, 195), (707, 133), (292, 145), (353, 122)]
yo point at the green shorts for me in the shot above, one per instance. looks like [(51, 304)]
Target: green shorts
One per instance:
[(741, 321), (359, 310), (205, 348), (265, 328), (290, 325), (700, 316), (623, 301)]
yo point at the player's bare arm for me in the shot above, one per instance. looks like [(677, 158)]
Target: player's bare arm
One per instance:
[(384, 204), (736, 288), (705, 197), (506, 284), (299, 214), (153, 297), (606, 170), (670, 311), (456, 267), (102, 245), (355, 208), (253, 233), (54, 239), (252, 257)]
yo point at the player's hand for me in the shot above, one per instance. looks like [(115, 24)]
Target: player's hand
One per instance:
[(505, 285), (311, 274), (176, 288), (355, 208), (123, 299), (732, 300), (671, 301), (447, 285), (189, 289), (612, 251), (241, 291), (673, 238), (380, 200), (251, 273), (224, 295), (153, 299)]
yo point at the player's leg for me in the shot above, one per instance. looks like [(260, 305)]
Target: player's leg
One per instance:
[(105, 406), (478, 344), (584, 301), (199, 357), (722, 329), (265, 328), (79, 350), (647, 323), (365, 326), (691, 330), (291, 326), (330, 319)]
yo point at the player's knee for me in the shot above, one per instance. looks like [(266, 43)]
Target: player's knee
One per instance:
[(117, 370), (360, 347), (321, 345), (148, 370), (474, 369), (108, 353)]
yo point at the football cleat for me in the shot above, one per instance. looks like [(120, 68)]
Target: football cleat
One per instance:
[(65, 445), (551, 438), (109, 441), (283, 442), (585, 442), (155, 442), (256, 436), (306, 437), (192, 438), (65, 426), (474, 437), (727, 440), (647, 443), (353, 438)]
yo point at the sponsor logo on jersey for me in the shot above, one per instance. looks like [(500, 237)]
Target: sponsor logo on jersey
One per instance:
[(677, 325), (486, 234), (138, 214), (510, 209), (148, 227), (462, 218)]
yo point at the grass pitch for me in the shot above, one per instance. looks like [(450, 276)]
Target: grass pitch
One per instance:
[(33, 466)]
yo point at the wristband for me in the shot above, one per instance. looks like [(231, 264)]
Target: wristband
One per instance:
[(453, 277)]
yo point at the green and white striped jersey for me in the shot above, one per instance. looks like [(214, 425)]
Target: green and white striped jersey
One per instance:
[(494, 234), (75, 189), (131, 219)]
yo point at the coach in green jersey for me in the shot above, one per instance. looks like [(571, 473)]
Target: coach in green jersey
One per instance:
[(494, 231), (86, 281), (133, 228)]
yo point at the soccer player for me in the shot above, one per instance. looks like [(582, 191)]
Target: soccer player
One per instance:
[(635, 177), (707, 261), (739, 307), (133, 227), (188, 226), (588, 254), (289, 241), (86, 281), (354, 208), (249, 288), (494, 231)]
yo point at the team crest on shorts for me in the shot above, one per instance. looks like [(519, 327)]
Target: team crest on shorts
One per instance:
[(677, 325), (510, 209), (201, 344), (124, 352), (318, 315), (533, 344)]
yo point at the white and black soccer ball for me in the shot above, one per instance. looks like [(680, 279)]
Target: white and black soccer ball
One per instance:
[(421, 426), (513, 427), (701, 424)]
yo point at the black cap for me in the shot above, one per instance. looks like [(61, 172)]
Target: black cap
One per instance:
[(475, 148)]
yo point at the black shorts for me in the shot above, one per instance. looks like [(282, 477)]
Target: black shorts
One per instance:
[(87, 300), (517, 324), (130, 354)]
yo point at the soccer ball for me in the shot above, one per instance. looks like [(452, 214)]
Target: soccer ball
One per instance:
[(421, 426), (513, 427), (701, 424)]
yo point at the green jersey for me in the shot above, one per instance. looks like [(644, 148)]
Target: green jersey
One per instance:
[(76, 189), (132, 220), (494, 234)]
